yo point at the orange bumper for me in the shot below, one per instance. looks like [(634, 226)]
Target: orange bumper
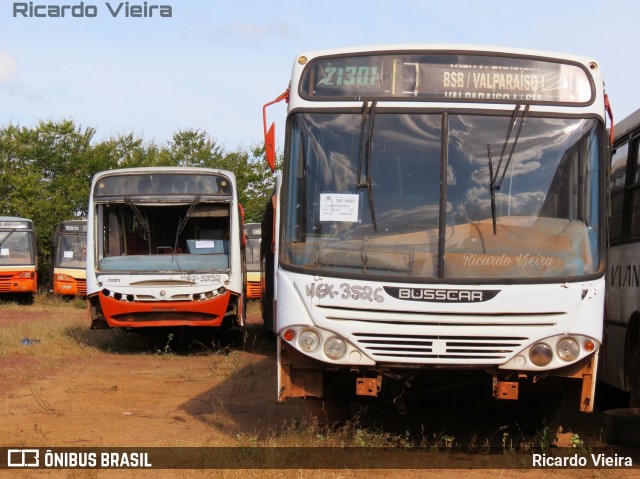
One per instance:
[(142, 314), (18, 282)]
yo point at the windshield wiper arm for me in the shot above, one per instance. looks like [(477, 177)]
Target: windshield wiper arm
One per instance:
[(10, 232), (494, 184), (183, 222), (143, 221), (366, 136)]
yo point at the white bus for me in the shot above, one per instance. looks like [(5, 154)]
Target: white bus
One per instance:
[(441, 213), (165, 247), (620, 356), (254, 236)]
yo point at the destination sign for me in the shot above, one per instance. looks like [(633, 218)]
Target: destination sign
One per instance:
[(446, 77), (163, 184), (16, 224)]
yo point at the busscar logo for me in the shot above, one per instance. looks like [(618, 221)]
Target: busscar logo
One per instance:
[(431, 295), (23, 458)]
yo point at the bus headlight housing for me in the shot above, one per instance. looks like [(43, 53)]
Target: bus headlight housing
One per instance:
[(335, 348), (568, 349), (541, 354), (308, 340)]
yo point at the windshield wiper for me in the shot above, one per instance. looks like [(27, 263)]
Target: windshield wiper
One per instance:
[(10, 232), (143, 221), (494, 183), (366, 135), (183, 222)]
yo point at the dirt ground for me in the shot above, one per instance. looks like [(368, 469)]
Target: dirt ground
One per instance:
[(154, 397)]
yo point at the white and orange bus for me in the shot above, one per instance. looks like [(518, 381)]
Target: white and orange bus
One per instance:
[(441, 214), (69, 258), (165, 247), (18, 258), (253, 233)]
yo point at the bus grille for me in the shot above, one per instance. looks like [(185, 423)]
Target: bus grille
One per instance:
[(81, 285), (165, 316), (405, 346), (253, 289), (5, 282)]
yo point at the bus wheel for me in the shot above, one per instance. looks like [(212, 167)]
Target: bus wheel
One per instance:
[(622, 426)]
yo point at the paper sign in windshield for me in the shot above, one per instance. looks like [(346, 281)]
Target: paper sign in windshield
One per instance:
[(339, 207)]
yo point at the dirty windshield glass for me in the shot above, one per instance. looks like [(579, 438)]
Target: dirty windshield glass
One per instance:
[(513, 196), (16, 247)]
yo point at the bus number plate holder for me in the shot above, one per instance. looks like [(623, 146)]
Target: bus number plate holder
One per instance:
[(505, 389), (368, 386)]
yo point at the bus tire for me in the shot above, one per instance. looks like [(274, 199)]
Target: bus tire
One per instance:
[(622, 426)]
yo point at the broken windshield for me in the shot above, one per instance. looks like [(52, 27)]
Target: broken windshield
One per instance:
[(164, 237), (426, 213)]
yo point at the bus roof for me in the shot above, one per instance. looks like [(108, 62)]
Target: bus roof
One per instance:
[(453, 48), (185, 170), (626, 125)]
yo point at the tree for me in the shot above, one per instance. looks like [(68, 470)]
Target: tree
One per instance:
[(46, 171)]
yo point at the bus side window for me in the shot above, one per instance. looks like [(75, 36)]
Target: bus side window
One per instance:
[(617, 181), (634, 191)]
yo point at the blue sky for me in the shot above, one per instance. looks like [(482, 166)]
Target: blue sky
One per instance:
[(213, 64)]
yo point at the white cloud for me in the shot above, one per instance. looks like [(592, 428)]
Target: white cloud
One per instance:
[(8, 67)]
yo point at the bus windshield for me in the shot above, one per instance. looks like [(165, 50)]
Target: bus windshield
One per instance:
[(71, 251), (443, 196), (155, 236), (16, 247)]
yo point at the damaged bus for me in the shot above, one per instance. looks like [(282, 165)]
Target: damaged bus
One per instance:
[(165, 247)]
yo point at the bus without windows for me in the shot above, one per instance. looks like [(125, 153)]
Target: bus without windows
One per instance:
[(18, 258), (165, 247), (440, 217), (253, 233), (69, 258), (620, 356)]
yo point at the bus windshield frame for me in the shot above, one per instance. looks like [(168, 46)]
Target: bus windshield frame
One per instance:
[(163, 223)]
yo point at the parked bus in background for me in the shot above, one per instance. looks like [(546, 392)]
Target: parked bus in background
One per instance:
[(441, 214), (69, 258), (620, 355), (253, 233), (165, 247), (18, 258)]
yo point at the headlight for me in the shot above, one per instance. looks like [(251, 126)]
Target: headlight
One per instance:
[(568, 349), (335, 348), (308, 340), (541, 354)]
